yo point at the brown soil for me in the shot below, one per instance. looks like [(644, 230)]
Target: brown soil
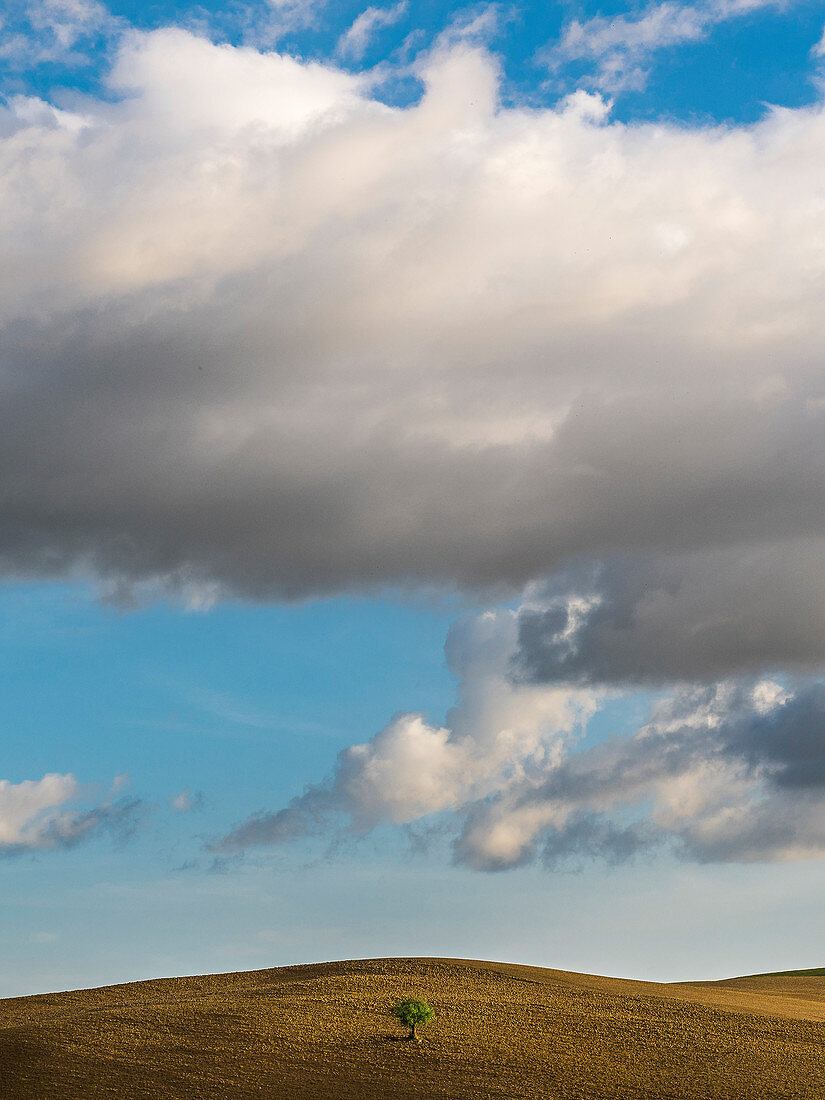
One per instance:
[(323, 1032)]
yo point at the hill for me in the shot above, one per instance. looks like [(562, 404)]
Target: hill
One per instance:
[(322, 1032)]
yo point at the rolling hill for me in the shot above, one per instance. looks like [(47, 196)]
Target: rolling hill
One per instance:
[(323, 1032)]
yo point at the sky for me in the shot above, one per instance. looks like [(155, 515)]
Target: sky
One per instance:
[(412, 473)]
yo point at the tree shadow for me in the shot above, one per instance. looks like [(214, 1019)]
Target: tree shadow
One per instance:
[(407, 1040)]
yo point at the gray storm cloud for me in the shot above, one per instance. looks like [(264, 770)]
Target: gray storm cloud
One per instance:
[(264, 336), (654, 618)]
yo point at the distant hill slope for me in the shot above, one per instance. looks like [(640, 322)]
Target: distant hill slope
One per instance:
[(322, 1032), (816, 972)]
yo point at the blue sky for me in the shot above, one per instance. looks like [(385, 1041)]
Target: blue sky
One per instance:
[(737, 59), (410, 486)]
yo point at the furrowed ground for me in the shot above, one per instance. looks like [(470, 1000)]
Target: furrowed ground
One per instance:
[(323, 1032)]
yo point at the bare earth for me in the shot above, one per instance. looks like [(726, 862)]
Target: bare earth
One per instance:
[(322, 1031)]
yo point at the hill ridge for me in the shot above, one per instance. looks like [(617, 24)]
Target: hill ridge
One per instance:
[(322, 1030)]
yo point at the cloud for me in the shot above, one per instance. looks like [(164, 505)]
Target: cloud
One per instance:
[(68, 21), (497, 733), (266, 337), (47, 813), (43, 31), (621, 46), (658, 618), (186, 800), (265, 25), (732, 771), (354, 42)]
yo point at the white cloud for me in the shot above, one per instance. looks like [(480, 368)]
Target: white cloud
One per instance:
[(498, 735), (727, 773), (355, 41), (35, 112), (208, 95), (67, 21), (497, 732), (38, 31), (733, 771), (185, 801), (58, 812), (267, 24), (621, 45)]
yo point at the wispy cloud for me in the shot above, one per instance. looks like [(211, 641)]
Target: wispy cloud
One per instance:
[(265, 24), (354, 43), (40, 31), (621, 46)]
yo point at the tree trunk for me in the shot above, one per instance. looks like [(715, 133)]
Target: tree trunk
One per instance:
[(412, 1033)]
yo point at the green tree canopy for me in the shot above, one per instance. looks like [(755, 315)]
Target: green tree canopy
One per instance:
[(412, 1013)]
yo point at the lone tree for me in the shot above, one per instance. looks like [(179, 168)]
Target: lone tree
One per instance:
[(411, 1013)]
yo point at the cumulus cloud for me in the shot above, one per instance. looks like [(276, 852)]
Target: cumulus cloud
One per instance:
[(355, 41), (55, 812), (264, 336), (621, 46), (732, 771), (497, 734)]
